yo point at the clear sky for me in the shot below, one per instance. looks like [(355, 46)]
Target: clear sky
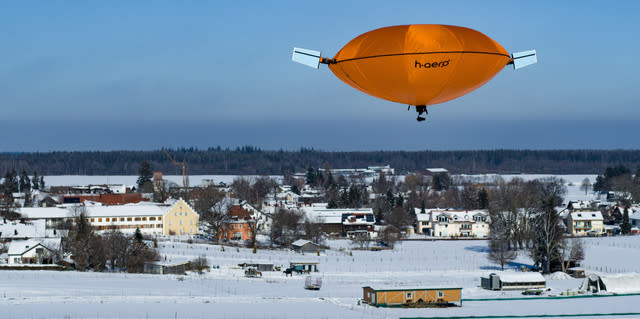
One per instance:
[(105, 75)]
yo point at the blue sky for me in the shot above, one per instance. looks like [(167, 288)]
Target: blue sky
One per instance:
[(147, 74)]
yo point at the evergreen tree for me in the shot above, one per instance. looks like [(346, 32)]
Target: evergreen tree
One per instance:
[(625, 227), (35, 182), (138, 235), (25, 182), (311, 176), (483, 199), (145, 173), (11, 182), (41, 186)]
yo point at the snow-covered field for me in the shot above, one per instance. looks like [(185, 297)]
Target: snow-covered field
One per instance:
[(226, 293)]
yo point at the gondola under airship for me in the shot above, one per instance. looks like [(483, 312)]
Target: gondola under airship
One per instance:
[(418, 64)]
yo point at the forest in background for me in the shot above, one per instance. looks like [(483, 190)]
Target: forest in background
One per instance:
[(254, 161)]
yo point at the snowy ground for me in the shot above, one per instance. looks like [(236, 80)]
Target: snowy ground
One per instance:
[(226, 293)]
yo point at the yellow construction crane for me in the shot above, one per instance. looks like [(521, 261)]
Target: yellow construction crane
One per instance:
[(182, 164)]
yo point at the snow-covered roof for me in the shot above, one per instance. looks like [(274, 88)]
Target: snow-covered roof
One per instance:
[(15, 229), (521, 277), (621, 283), (635, 215), (98, 210), (420, 216), (586, 215), (45, 212), (332, 216), (459, 215), (19, 247), (127, 210), (301, 242), (437, 170)]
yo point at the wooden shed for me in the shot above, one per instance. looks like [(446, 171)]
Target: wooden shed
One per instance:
[(412, 297)]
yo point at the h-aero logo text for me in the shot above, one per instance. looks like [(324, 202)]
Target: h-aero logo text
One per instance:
[(429, 65)]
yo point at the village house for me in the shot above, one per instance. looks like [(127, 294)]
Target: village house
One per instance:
[(452, 223), (582, 223), (239, 226), (343, 221), (261, 219), (32, 251), (395, 296), (175, 217), (305, 246)]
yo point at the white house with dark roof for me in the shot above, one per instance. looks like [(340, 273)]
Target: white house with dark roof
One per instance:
[(585, 222), (452, 223), (33, 251)]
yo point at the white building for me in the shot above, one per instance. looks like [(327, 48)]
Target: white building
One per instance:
[(175, 217), (33, 251), (585, 223), (452, 223)]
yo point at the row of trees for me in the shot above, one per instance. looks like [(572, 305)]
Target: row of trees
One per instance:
[(524, 218), (254, 161), (112, 250), (14, 183)]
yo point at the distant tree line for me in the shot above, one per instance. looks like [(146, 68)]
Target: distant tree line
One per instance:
[(252, 160)]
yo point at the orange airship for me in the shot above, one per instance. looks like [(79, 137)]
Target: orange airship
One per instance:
[(418, 64)]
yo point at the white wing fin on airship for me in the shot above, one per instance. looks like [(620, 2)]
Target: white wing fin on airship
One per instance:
[(524, 58), (307, 57)]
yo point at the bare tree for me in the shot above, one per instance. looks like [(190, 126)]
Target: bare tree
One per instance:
[(549, 235), (499, 251), (361, 240), (285, 226), (215, 219), (389, 236), (199, 264), (586, 185), (313, 231), (399, 217), (115, 249), (241, 186)]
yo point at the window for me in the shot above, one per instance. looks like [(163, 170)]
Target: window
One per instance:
[(159, 218), (409, 295), (99, 220), (175, 213), (106, 219), (186, 213), (191, 222), (152, 218), (440, 294), (129, 219), (443, 219), (180, 222), (121, 219), (169, 223), (93, 220), (144, 218), (138, 219), (180, 213)]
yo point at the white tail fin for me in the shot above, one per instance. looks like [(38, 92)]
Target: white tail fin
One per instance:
[(524, 58), (307, 57)]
